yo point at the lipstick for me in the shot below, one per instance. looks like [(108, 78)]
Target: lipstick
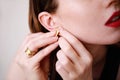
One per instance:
[(114, 20)]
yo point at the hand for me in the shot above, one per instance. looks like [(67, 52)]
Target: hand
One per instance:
[(36, 67), (74, 61)]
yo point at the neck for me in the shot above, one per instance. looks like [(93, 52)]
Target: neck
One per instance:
[(98, 52)]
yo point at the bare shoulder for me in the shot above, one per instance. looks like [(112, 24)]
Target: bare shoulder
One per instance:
[(118, 76)]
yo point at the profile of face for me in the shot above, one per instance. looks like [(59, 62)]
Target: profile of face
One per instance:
[(86, 19)]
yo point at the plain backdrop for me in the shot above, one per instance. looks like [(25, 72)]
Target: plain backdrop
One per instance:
[(13, 29)]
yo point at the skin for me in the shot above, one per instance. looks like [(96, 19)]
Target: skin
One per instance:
[(82, 24), (82, 52), (85, 23)]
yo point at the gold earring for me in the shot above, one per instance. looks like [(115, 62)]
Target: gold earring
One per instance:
[(57, 33)]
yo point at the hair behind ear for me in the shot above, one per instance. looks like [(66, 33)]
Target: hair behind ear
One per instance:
[(37, 6)]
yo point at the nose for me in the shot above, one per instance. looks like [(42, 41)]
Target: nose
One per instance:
[(109, 3)]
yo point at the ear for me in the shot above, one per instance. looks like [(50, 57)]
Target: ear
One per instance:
[(47, 20)]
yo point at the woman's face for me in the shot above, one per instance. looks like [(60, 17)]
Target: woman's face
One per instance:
[(86, 20)]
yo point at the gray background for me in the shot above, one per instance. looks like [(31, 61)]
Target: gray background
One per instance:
[(13, 29)]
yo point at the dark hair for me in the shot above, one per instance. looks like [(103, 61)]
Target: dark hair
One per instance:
[(37, 6)]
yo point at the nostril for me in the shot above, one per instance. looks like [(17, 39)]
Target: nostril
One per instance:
[(117, 4), (112, 3)]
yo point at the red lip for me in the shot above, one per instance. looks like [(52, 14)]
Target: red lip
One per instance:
[(114, 20)]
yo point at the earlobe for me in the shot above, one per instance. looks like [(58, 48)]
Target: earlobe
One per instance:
[(46, 20)]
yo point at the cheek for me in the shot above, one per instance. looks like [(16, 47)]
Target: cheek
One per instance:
[(87, 23), (90, 31), (81, 22), (81, 17)]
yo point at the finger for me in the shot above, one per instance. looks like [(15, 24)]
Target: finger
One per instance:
[(32, 35), (36, 44), (44, 52), (65, 61), (48, 34), (75, 43), (30, 38), (62, 72), (68, 50), (39, 35)]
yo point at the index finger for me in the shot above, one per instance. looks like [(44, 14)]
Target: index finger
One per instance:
[(75, 43)]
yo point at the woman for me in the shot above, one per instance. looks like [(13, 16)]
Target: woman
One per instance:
[(84, 30)]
